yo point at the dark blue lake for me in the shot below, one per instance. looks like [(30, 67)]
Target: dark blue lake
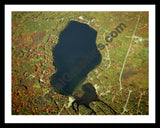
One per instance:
[(75, 55)]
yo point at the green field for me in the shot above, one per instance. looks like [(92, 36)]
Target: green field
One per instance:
[(121, 80)]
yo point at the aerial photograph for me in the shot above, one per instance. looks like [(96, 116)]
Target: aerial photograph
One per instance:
[(80, 63)]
